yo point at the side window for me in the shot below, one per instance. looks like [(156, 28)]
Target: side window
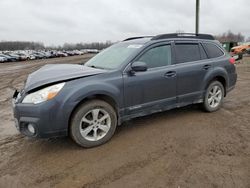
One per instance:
[(157, 57), (187, 52), (203, 53), (212, 50)]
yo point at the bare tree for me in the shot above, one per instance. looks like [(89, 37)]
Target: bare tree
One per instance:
[(230, 37), (20, 45), (93, 45)]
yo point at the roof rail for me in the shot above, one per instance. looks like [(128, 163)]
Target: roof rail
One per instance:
[(184, 35), (132, 38)]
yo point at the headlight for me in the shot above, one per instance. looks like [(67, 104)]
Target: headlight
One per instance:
[(43, 94)]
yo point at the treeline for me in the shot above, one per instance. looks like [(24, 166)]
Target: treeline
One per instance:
[(230, 37), (79, 46), (20, 45), (23, 45)]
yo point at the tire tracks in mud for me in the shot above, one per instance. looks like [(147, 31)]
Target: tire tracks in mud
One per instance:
[(181, 162), (222, 149), (8, 140)]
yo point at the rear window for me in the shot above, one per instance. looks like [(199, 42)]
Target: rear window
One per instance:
[(213, 50), (187, 52)]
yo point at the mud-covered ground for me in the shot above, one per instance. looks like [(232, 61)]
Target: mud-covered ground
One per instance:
[(185, 147)]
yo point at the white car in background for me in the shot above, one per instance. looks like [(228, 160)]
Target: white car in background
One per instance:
[(78, 52), (3, 59)]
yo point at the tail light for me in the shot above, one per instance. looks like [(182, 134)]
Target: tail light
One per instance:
[(232, 60)]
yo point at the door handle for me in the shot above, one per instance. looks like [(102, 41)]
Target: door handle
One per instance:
[(170, 74), (206, 67)]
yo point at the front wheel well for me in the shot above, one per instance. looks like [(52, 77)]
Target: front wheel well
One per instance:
[(102, 97)]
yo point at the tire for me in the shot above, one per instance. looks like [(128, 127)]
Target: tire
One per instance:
[(93, 123), (214, 96)]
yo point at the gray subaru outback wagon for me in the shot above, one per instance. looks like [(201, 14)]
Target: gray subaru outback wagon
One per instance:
[(136, 77)]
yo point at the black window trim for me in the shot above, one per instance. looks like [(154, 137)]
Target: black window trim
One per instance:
[(154, 45), (202, 48), (202, 43), (188, 42)]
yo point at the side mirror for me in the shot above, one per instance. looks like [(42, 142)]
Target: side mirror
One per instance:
[(139, 66)]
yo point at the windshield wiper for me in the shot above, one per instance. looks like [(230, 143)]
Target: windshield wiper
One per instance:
[(93, 66)]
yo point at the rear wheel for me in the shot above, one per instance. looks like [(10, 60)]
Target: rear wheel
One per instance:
[(93, 123), (214, 96)]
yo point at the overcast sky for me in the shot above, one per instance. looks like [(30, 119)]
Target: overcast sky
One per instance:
[(60, 21)]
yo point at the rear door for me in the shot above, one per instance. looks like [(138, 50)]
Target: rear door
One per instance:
[(191, 66)]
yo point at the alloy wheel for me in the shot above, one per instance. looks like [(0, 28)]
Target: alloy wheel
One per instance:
[(214, 96), (95, 124)]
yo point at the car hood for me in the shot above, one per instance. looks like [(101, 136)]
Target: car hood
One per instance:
[(52, 73)]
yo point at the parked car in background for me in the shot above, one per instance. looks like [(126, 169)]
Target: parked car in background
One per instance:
[(95, 51), (2, 59), (136, 77), (31, 57), (61, 54), (78, 52), (38, 55), (69, 53), (23, 55), (53, 54), (9, 58), (14, 55)]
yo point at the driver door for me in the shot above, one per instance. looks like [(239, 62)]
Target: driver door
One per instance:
[(154, 89)]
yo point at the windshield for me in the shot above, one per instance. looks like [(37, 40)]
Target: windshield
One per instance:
[(113, 57)]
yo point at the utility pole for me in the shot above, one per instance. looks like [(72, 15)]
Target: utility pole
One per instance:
[(197, 17)]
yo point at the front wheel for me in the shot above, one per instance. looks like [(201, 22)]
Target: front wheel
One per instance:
[(214, 96), (93, 123)]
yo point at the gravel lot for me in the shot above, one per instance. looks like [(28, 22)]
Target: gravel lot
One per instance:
[(184, 147)]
